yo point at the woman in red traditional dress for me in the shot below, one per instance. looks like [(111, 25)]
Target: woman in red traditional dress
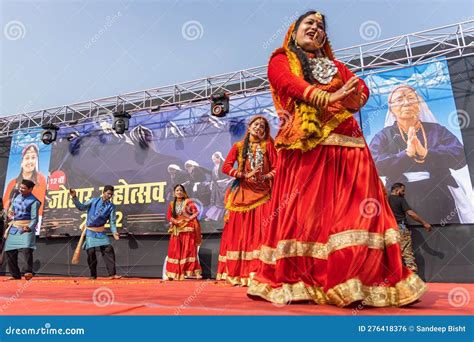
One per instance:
[(333, 238), (247, 202), (182, 261)]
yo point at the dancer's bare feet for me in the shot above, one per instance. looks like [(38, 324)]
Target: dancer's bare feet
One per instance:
[(28, 276)]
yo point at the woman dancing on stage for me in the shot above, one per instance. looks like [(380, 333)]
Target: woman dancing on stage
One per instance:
[(183, 261), (333, 238), (247, 202)]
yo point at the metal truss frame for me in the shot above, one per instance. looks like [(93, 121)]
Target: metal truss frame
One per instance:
[(451, 41)]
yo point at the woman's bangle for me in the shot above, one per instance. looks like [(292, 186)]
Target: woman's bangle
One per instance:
[(320, 98)]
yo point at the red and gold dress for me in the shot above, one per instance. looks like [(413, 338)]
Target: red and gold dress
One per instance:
[(185, 238), (247, 203), (333, 238)]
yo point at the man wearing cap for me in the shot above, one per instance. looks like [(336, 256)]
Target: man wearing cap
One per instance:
[(20, 234)]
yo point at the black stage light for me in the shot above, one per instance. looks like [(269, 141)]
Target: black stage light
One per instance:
[(219, 104), (121, 121), (49, 134)]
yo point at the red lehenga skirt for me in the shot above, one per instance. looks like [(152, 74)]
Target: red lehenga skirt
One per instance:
[(182, 259), (333, 238), (240, 245)]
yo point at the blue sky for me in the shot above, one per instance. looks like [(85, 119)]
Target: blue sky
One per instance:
[(60, 52)]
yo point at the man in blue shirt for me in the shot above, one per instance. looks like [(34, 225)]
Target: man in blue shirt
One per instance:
[(20, 235), (99, 211)]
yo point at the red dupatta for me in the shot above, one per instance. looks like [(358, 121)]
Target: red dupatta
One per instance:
[(307, 124)]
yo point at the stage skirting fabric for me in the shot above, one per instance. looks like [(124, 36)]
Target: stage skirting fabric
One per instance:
[(442, 256)]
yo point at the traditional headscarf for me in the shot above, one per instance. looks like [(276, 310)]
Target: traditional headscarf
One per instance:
[(191, 163), (291, 34), (142, 136), (315, 124), (219, 155), (425, 114), (174, 167)]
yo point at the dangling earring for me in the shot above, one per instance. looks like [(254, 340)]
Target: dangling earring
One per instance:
[(293, 36), (322, 44)]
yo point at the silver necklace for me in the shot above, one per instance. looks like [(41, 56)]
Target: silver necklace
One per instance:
[(323, 69), (256, 162), (179, 207)]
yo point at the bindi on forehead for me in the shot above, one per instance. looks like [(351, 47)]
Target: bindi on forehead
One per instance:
[(404, 94), (313, 18)]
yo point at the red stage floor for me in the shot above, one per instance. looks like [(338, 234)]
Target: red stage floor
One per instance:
[(132, 296)]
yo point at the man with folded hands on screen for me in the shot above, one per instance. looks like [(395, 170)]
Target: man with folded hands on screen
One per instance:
[(400, 209), (99, 211)]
